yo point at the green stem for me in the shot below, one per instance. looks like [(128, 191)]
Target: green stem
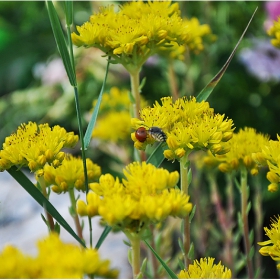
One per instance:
[(48, 215), (184, 169), (172, 81), (135, 82), (135, 240), (230, 221), (258, 210), (83, 151), (244, 214), (74, 214)]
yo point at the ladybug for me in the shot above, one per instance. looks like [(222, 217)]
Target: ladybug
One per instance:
[(155, 132)]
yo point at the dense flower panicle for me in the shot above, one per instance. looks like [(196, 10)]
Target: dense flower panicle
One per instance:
[(271, 247), (205, 269), (269, 156), (35, 145), (146, 195), (274, 31), (242, 147), (139, 30), (113, 123), (188, 124), (55, 260), (70, 174)]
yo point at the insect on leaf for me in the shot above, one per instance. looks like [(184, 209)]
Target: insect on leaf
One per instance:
[(205, 93)]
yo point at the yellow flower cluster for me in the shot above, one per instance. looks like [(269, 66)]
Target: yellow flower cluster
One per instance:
[(205, 269), (242, 147), (138, 30), (70, 174), (272, 246), (113, 123), (188, 124), (35, 145), (269, 156), (275, 32), (193, 43), (146, 195), (55, 260)]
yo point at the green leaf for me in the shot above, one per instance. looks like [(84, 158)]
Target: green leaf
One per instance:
[(191, 252), (61, 43), (94, 115), (192, 213), (168, 270), (181, 264), (205, 93), (39, 197), (102, 237), (156, 157), (68, 6)]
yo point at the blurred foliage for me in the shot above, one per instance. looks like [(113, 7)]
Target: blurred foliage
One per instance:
[(27, 42)]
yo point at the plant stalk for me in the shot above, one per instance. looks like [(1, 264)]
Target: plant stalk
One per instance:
[(184, 169), (74, 214), (135, 240), (48, 215), (244, 214)]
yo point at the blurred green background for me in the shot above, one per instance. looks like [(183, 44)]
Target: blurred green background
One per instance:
[(34, 86)]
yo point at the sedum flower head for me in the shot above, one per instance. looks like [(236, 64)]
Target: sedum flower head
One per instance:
[(269, 156), (205, 269), (70, 174), (146, 195), (35, 145), (138, 30), (55, 259), (188, 124), (242, 147), (274, 32), (271, 247), (113, 123)]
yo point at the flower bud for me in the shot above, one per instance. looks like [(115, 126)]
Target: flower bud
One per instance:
[(81, 208), (227, 136), (169, 154), (273, 187), (272, 177), (224, 167)]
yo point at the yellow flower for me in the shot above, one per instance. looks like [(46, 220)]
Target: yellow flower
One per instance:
[(146, 195), (35, 145), (271, 247), (70, 174), (242, 147), (143, 178), (269, 156), (274, 31), (55, 260), (188, 125), (139, 30), (205, 269)]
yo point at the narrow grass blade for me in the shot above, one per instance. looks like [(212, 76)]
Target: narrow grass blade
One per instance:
[(39, 197), (205, 93), (102, 237), (94, 115), (61, 43), (168, 270), (156, 157), (68, 6)]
